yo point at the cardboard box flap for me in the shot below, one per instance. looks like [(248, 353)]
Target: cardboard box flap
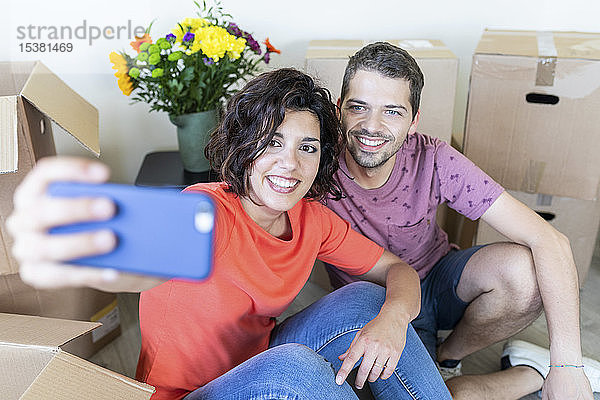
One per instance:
[(13, 76), (63, 105), (39, 331), (8, 134), (418, 48), (19, 367), (540, 44), (68, 377)]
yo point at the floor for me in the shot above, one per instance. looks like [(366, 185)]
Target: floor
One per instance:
[(121, 355)]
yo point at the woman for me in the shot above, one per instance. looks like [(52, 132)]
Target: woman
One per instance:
[(276, 150)]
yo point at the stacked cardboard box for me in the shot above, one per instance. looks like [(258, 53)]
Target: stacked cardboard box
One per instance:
[(31, 97), (533, 125), (578, 219), (327, 60)]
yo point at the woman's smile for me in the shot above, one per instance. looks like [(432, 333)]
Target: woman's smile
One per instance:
[(282, 184)]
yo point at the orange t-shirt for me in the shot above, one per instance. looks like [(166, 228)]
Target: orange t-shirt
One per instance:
[(193, 332)]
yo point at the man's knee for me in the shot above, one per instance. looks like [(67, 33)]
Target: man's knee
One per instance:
[(519, 279)]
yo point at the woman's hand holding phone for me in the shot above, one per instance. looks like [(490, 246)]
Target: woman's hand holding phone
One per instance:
[(42, 256)]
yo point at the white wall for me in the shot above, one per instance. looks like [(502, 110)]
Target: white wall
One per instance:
[(128, 132)]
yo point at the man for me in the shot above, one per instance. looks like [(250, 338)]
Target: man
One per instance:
[(394, 179)]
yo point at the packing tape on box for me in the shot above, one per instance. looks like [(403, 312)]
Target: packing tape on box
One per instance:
[(578, 77), (576, 81), (109, 317), (547, 54), (8, 134), (533, 176)]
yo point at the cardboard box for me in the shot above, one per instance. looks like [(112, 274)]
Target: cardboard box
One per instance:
[(327, 59), (33, 364), (532, 115), (31, 97), (577, 219), (82, 304)]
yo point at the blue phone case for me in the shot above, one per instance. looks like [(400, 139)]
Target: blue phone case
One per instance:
[(160, 232)]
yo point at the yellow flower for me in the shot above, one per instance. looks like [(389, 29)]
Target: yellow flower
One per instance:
[(188, 24), (179, 31), (120, 64), (215, 41), (124, 83)]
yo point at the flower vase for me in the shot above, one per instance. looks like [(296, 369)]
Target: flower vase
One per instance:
[(193, 132)]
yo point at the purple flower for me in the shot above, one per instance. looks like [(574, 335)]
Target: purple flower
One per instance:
[(234, 30), (208, 61), (253, 44), (188, 37), (170, 38), (267, 57)]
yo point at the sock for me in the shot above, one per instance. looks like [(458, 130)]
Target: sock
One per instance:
[(449, 363), (505, 364)]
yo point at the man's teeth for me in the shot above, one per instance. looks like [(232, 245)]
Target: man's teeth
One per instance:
[(370, 142), (283, 182)]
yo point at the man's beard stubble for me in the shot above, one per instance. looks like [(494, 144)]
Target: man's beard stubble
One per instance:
[(367, 159)]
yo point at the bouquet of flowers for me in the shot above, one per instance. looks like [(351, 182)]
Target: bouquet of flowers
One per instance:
[(193, 68)]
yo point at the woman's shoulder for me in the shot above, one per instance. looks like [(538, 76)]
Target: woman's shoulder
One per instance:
[(217, 191), (316, 213), (213, 189)]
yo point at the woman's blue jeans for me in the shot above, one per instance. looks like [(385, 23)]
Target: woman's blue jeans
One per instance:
[(302, 360)]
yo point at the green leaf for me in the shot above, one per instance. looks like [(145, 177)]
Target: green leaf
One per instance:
[(187, 74)]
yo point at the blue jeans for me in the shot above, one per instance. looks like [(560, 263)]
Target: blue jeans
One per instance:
[(302, 360)]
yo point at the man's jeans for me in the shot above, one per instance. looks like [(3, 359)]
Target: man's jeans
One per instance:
[(302, 360)]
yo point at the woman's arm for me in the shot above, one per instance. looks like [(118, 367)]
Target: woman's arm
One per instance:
[(41, 256)]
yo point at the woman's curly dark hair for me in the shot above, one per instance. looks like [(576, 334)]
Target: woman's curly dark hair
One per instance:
[(253, 115)]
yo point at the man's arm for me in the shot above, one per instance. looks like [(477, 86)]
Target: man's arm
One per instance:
[(382, 340), (557, 281)]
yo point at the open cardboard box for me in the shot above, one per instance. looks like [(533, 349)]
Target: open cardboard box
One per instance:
[(33, 365), (31, 98)]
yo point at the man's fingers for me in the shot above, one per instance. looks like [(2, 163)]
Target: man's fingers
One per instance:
[(390, 366), (346, 367), (379, 367), (353, 354), (365, 368), (376, 371)]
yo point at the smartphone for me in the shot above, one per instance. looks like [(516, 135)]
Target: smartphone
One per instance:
[(161, 232)]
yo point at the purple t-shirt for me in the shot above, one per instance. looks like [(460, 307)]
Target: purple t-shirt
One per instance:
[(400, 215)]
